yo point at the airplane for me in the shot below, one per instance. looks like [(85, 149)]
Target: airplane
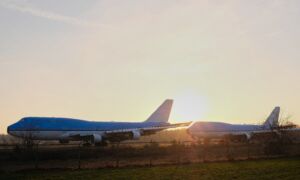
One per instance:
[(92, 132), (221, 130)]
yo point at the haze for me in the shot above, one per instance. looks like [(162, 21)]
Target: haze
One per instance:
[(230, 61)]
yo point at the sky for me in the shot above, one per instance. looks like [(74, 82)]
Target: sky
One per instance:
[(115, 60)]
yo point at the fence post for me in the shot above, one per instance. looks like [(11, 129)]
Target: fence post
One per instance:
[(36, 161), (178, 152), (205, 149), (150, 162), (79, 156), (117, 160), (227, 151), (151, 153), (248, 149)]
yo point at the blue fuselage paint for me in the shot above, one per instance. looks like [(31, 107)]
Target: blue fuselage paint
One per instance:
[(68, 124), (48, 128)]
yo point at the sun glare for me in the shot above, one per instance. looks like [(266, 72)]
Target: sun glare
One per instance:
[(189, 106)]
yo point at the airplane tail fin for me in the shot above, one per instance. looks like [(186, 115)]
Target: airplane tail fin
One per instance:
[(162, 113), (272, 120)]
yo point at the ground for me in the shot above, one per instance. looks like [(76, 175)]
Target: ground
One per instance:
[(282, 168)]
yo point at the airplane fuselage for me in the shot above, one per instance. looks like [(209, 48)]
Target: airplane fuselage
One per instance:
[(219, 129), (66, 129), (48, 128)]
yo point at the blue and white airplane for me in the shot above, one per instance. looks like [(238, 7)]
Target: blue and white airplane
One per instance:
[(214, 130), (67, 129)]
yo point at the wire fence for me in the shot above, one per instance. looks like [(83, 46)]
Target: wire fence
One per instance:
[(77, 156)]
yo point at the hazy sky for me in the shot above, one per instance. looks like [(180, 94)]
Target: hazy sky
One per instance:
[(229, 61)]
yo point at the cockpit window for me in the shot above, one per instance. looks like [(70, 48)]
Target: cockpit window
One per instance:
[(22, 120)]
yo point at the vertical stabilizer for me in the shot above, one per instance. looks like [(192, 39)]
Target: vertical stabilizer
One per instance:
[(272, 120), (162, 113)]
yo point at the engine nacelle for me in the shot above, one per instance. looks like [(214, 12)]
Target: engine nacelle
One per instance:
[(136, 134), (96, 138)]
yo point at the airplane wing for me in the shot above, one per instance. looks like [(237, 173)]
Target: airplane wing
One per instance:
[(125, 134), (122, 134), (158, 128)]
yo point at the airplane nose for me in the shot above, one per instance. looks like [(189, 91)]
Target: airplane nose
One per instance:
[(188, 131), (8, 129)]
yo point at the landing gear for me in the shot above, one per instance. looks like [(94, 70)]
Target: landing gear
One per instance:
[(102, 143), (86, 144), (89, 143), (63, 141), (28, 143)]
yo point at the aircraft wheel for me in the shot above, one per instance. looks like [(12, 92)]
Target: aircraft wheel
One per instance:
[(28, 143), (86, 144), (103, 143)]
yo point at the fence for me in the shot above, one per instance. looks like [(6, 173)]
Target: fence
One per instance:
[(77, 156)]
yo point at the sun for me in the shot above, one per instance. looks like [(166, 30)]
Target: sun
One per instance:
[(189, 106)]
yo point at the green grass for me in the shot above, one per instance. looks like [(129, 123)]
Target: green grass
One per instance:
[(285, 168)]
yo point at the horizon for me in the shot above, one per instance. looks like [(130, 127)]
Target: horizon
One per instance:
[(105, 60)]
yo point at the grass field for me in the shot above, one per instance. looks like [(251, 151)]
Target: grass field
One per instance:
[(283, 168)]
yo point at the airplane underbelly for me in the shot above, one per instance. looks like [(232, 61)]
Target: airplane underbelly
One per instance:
[(53, 135), (38, 135), (210, 134), (47, 135)]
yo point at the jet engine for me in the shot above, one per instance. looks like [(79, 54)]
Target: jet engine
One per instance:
[(136, 134), (96, 138)]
